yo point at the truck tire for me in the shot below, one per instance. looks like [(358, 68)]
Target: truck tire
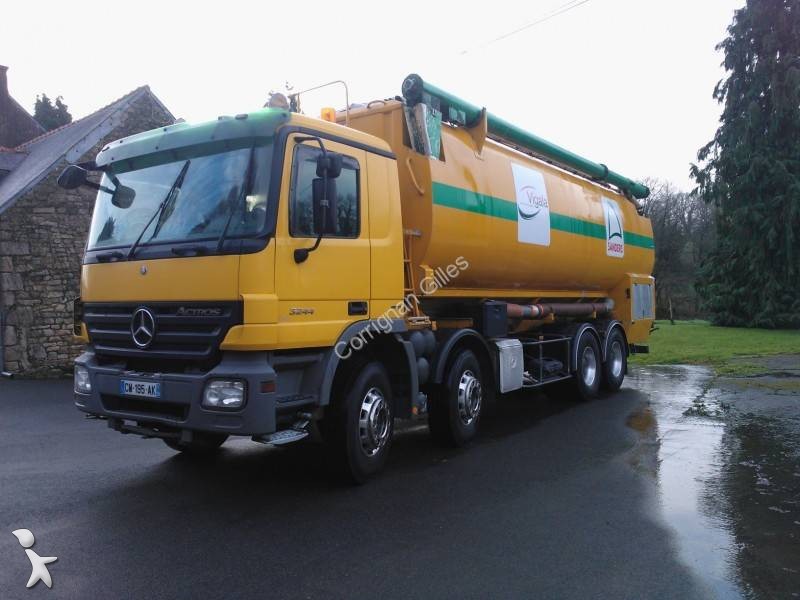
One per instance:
[(360, 426), (616, 364), (202, 444), (455, 408), (586, 380)]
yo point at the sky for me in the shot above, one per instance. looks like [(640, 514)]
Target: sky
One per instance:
[(624, 82)]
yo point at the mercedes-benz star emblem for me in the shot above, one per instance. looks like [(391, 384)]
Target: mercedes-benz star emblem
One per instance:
[(143, 328)]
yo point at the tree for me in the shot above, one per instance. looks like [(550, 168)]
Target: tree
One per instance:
[(683, 228), (750, 172), (49, 115)]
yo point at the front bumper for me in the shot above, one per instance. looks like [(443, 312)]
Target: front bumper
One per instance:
[(181, 394)]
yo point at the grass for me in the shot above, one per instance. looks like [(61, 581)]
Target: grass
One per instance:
[(724, 348)]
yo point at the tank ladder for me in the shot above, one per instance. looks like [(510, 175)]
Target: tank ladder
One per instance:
[(415, 316)]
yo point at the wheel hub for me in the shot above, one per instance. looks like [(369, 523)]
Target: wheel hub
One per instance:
[(374, 422), (616, 358), (588, 366), (470, 397)]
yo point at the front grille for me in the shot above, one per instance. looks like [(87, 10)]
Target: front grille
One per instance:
[(183, 331), (147, 408)]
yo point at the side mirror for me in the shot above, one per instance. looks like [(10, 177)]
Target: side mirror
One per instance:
[(325, 208), (329, 165), (123, 196), (324, 197), (72, 177)]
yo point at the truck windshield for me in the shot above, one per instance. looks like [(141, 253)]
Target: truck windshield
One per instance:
[(216, 191)]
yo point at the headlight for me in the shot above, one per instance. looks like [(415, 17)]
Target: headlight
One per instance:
[(82, 383), (224, 393)]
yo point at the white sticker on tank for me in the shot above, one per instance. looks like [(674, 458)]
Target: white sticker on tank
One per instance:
[(615, 233), (533, 208)]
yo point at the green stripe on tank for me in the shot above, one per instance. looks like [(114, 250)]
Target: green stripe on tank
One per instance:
[(636, 239), (483, 204), (569, 224), (461, 199)]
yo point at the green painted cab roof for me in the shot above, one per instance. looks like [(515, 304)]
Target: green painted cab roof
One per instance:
[(260, 124)]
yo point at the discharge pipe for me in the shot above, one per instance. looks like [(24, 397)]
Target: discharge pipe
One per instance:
[(563, 309), (415, 89)]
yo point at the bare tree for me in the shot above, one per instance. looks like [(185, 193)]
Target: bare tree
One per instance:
[(684, 234)]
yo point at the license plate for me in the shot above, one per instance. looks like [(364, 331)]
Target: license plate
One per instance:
[(143, 389)]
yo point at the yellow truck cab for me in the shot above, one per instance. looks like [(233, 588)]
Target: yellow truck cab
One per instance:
[(277, 276)]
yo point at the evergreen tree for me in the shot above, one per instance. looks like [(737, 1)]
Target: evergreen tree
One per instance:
[(750, 171), (49, 115)]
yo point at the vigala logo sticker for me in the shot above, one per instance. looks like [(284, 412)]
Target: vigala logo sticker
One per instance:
[(532, 203), (533, 207)]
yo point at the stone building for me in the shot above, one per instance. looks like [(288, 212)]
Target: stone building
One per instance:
[(16, 125), (43, 228)]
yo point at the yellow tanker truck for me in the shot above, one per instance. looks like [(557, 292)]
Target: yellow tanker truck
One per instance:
[(277, 276)]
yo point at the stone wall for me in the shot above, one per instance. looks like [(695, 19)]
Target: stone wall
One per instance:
[(42, 239)]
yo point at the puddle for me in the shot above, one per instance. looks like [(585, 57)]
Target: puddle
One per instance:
[(727, 463), (685, 419), (762, 495), (644, 458)]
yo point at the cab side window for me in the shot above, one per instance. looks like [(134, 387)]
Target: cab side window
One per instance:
[(301, 208)]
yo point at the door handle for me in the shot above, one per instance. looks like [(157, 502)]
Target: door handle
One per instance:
[(357, 307)]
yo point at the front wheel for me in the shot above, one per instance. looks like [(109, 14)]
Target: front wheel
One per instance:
[(616, 362), (360, 426), (456, 407)]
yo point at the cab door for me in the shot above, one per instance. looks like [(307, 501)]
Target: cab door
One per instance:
[(320, 297)]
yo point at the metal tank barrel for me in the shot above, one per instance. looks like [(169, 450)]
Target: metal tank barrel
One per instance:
[(414, 88)]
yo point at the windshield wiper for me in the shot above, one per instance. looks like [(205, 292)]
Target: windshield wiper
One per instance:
[(175, 186), (246, 185), (109, 256), (189, 250)]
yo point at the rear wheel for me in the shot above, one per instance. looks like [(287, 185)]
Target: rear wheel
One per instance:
[(616, 364), (360, 426), (202, 444), (586, 380), (456, 408)]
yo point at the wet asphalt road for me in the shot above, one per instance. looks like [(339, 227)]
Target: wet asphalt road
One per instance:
[(611, 498)]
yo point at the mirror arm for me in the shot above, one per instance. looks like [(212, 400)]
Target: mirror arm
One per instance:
[(301, 254), (312, 138), (90, 165), (97, 186)]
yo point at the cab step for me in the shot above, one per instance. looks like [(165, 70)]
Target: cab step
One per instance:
[(281, 438)]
